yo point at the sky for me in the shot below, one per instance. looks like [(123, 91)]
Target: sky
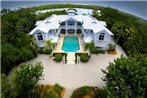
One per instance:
[(134, 7)]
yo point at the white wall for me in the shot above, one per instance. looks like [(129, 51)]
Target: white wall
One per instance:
[(40, 43), (104, 44)]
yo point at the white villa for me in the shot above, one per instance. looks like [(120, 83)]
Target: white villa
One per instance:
[(89, 28)]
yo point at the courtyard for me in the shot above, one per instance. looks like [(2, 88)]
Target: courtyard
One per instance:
[(72, 76)]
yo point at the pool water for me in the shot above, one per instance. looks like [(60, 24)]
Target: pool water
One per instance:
[(70, 44)]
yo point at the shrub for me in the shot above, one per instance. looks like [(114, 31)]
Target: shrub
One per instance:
[(100, 51), (112, 47), (57, 88), (58, 57), (80, 92), (94, 50), (45, 51), (84, 57)]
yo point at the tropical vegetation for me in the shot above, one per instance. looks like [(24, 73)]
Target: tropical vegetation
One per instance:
[(127, 77), (22, 82)]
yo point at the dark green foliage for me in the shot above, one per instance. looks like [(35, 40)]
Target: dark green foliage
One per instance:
[(126, 77), (7, 87), (16, 45), (58, 57), (26, 79), (57, 88), (100, 93), (87, 46), (129, 31), (47, 51), (84, 57)]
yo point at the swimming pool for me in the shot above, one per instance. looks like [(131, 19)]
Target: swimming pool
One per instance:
[(70, 44)]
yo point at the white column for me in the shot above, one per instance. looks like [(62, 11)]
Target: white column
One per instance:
[(75, 32)]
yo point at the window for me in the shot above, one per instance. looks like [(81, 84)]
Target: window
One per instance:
[(62, 31), (79, 31), (71, 31), (79, 23), (71, 22), (101, 37), (62, 23), (39, 36)]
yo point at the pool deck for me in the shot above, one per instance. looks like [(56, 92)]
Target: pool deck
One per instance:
[(70, 55)]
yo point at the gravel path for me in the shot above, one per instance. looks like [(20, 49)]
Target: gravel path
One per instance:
[(74, 76)]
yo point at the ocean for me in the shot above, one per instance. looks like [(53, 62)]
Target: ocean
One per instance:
[(137, 8)]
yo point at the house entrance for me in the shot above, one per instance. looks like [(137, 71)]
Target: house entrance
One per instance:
[(71, 31)]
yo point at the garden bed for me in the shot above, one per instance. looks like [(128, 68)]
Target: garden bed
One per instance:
[(53, 91), (112, 52)]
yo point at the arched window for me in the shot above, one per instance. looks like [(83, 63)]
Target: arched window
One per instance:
[(62, 31), (79, 31), (101, 37), (40, 37)]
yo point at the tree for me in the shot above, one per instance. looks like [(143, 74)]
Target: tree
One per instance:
[(7, 88), (49, 44), (126, 77), (26, 79)]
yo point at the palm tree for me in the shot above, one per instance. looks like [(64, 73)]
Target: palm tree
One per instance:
[(87, 46), (32, 42), (49, 44)]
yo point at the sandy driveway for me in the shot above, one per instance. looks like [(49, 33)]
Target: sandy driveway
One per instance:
[(74, 76)]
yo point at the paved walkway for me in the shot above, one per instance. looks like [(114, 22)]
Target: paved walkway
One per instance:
[(70, 58), (72, 76)]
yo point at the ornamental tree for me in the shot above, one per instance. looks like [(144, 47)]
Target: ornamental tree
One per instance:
[(126, 77)]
